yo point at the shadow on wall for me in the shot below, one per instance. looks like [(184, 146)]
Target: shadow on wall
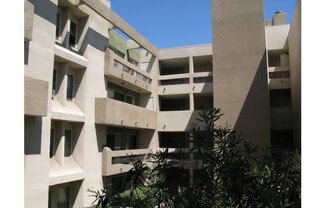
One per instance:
[(32, 135), (253, 120), (45, 9), (94, 39)]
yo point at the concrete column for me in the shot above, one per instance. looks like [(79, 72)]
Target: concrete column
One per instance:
[(240, 67), (191, 102), (59, 140), (62, 83), (191, 69)]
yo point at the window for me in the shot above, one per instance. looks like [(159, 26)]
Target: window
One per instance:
[(52, 143), (282, 138), (118, 96), (122, 139), (280, 98), (54, 82), (49, 200), (64, 194), (57, 31), (73, 34), (279, 75), (129, 99), (70, 87), (68, 143)]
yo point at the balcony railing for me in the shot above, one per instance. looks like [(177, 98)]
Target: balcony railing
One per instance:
[(111, 165), (125, 73), (113, 112)]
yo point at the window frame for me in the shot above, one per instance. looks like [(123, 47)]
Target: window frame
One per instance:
[(75, 35)]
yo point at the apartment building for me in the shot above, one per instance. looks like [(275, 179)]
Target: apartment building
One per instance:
[(97, 93)]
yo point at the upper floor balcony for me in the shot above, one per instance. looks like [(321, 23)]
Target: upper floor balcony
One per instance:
[(112, 112), (126, 74), (279, 77), (200, 82), (116, 162), (36, 97)]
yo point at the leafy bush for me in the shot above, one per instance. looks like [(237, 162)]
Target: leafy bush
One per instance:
[(233, 173)]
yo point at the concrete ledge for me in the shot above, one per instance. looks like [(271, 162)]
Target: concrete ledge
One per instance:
[(185, 88), (69, 171), (112, 169), (113, 112), (117, 21), (179, 52), (119, 76), (64, 55), (35, 97), (177, 120), (69, 112)]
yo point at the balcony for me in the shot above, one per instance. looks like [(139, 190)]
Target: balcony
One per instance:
[(28, 23), (281, 82), (113, 112), (186, 83), (108, 166), (36, 97), (125, 74), (177, 120)]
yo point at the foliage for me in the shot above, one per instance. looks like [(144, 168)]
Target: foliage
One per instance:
[(232, 172)]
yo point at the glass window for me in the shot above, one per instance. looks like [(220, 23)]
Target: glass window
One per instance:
[(129, 99), (68, 143), (73, 34), (118, 96), (52, 143), (57, 31), (54, 80), (64, 194), (70, 87)]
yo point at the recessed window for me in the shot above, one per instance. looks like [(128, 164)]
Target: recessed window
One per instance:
[(68, 143), (57, 30), (118, 96), (64, 195), (70, 87), (52, 143), (73, 34), (54, 82)]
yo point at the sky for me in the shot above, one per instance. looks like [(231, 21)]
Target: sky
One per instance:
[(174, 23)]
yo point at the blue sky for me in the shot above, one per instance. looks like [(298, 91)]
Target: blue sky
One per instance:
[(173, 23)]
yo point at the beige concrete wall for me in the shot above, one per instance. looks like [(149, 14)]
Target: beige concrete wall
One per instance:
[(112, 112), (40, 56), (240, 68), (28, 20), (35, 97), (295, 68), (277, 37)]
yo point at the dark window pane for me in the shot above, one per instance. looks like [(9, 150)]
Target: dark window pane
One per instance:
[(68, 143), (281, 138), (280, 98), (118, 96), (70, 87), (129, 99), (52, 143), (73, 34), (110, 141), (54, 79), (57, 31)]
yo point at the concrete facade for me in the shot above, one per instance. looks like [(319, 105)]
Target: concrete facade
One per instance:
[(94, 98)]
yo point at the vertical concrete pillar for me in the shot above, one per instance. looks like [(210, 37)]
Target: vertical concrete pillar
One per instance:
[(240, 67)]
